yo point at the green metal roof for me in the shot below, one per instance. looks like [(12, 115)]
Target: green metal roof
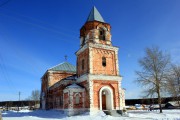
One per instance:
[(65, 66), (94, 15)]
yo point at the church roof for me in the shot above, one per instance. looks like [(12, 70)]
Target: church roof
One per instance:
[(94, 15), (65, 66), (74, 86)]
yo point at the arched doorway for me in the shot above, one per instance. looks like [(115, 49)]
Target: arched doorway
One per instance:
[(106, 98)]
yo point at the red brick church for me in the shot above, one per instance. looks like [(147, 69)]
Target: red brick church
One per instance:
[(95, 82)]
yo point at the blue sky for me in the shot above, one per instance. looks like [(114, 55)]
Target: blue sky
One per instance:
[(36, 35)]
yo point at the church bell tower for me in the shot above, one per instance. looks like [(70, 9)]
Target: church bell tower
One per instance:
[(97, 65)]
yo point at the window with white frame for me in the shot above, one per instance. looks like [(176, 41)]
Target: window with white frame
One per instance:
[(77, 99)]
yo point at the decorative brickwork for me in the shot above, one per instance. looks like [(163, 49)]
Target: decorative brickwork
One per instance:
[(98, 68), (93, 25), (96, 85), (103, 68), (89, 33)]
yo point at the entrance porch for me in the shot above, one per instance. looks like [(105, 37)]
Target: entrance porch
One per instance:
[(106, 98)]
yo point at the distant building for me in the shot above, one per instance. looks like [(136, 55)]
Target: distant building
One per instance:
[(95, 83)]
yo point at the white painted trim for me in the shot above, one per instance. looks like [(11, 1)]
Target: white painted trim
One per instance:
[(104, 77), (82, 78), (90, 60), (117, 62), (98, 77), (81, 49), (104, 28), (77, 94), (91, 94), (111, 96), (119, 89), (84, 97), (95, 45)]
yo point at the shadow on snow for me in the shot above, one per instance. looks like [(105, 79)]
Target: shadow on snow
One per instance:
[(36, 113)]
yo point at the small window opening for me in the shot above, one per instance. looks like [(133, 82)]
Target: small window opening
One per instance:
[(83, 64), (77, 99), (101, 34), (103, 61)]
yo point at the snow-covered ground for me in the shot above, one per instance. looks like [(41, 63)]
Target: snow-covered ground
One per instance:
[(57, 115)]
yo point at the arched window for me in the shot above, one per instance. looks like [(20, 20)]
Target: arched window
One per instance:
[(103, 61), (83, 64), (101, 34), (77, 99)]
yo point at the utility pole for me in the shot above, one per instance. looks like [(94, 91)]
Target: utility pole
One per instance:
[(19, 100)]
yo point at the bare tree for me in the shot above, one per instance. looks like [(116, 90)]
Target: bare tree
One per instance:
[(35, 96), (173, 82), (155, 66)]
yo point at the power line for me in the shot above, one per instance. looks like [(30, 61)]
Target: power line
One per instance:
[(38, 20), (40, 26), (65, 34), (7, 79), (26, 58), (5, 73)]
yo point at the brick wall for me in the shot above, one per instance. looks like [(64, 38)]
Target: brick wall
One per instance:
[(93, 25), (83, 56), (98, 68), (50, 78), (57, 76), (66, 100)]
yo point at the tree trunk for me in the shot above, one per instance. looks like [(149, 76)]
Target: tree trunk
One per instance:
[(159, 100)]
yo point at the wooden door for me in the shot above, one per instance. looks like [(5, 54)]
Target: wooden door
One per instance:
[(104, 102)]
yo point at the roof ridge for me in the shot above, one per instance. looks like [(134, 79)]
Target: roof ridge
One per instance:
[(56, 65), (64, 66)]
